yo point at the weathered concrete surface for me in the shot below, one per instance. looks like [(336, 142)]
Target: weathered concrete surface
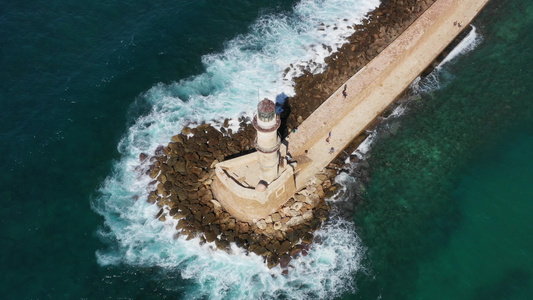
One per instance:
[(376, 86), (246, 203)]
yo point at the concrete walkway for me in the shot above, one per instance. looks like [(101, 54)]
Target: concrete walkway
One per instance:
[(376, 86)]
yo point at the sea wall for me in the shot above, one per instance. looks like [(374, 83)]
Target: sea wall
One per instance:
[(183, 170), (364, 96), (381, 27)]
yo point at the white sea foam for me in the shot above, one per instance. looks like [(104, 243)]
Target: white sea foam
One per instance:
[(434, 81), (251, 64), (437, 78), (469, 43)]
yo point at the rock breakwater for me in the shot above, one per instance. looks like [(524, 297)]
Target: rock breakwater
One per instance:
[(184, 169), (183, 172), (379, 29)]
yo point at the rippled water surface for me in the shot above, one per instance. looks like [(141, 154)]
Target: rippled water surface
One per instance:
[(87, 86)]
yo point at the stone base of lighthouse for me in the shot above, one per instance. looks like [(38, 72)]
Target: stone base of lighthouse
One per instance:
[(253, 186), (235, 187)]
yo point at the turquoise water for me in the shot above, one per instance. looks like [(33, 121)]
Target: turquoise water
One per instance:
[(447, 214), (85, 87)]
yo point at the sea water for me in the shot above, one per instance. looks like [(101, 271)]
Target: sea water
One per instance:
[(251, 65), (447, 212), (87, 86)]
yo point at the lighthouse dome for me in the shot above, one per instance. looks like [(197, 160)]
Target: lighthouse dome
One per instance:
[(266, 110)]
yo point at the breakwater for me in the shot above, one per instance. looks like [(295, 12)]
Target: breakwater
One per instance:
[(350, 110), (183, 173)]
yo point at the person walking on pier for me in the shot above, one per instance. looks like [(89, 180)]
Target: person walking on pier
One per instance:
[(344, 94), (331, 150)]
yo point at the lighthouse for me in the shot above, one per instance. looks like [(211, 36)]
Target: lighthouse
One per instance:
[(267, 142), (252, 186)]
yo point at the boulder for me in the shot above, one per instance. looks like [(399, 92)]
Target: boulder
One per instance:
[(243, 227), (284, 261), (217, 207), (276, 217), (154, 172), (259, 250), (261, 224), (178, 138), (167, 186), (186, 130), (292, 235), (297, 206), (152, 197), (231, 224), (272, 261), (181, 224), (270, 228), (312, 199), (181, 214), (322, 214), (210, 236), (208, 219), (276, 226), (143, 157), (307, 238), (285, 247), (295, 221), (297, 250), (222, 245), (300, 198), (308, 215), (320, 177), (278, 234)]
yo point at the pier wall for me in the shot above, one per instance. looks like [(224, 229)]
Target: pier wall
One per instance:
[(378, 84)]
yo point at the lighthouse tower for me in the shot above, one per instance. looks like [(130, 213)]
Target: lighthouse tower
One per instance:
[(267, 143), (252, 186)]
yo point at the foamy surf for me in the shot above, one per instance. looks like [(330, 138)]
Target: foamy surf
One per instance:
[(252, 66), (437, 78)]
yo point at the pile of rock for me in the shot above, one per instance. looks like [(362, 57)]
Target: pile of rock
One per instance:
[(184, 169), (183, 173), (382, 26)]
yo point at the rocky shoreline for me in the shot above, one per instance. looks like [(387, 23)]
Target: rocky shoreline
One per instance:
[(184, 169)]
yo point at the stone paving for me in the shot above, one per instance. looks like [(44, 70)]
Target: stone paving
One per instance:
[(376, 86)]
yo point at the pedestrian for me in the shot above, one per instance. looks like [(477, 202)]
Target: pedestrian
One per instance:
[(344, 94), (327, 140), (329, 134), (331, 150)]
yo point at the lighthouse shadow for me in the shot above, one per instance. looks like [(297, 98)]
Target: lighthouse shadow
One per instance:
[(283, 109)]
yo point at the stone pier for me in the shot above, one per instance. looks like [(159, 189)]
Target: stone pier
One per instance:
[(345, 115)]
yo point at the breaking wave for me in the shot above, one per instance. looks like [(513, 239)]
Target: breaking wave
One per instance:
[(251, 66)]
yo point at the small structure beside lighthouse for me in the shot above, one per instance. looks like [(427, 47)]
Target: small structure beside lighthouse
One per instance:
[(253, 186)]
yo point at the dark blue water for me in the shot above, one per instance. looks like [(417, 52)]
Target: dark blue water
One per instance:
[(72, 76)]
